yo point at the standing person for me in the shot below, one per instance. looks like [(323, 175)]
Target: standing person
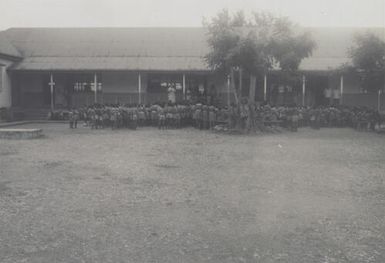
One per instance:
[(161, 119), (300, 117), (92, 118), (178, 117), (171, 93), (194, 116), (76, 118), (113, 119), (106, 117), (100, 120), (133, 119), (205, 117), (88, 117), (312, 115), (154, 115), (141, 116), (317, 122), (212, 117), (125, 117), (71, 119), (173, 111), (98, 115), (168, 114), (198, 117), (294, 121), (244, 115), (251, 116), (147, 113), (232, 116)]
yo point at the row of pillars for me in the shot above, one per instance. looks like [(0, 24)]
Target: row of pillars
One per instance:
[(303, 89), (52, 84), (95, 83)]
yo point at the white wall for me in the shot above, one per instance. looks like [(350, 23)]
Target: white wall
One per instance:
[(5, 84)]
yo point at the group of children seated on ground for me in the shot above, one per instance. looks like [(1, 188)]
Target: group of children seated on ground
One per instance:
[(173, 116), (316, 117)]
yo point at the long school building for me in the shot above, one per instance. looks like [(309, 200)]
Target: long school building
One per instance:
[(44, 68)]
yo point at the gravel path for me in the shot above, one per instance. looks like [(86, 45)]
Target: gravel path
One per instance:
[(189, 196)]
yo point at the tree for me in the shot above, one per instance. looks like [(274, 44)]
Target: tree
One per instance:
[(254, 46), (368, 58)]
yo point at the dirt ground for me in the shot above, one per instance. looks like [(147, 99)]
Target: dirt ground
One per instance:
[(189, 196)]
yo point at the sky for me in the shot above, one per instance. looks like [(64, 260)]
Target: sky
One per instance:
[(184, 13)]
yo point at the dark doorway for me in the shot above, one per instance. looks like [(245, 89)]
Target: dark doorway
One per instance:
[(316, 86), (46, 91)]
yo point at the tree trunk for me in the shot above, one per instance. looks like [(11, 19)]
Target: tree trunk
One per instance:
[(253, 80), (250, 122), (233, 87), (240, 124), (237, 102), (240, 82)]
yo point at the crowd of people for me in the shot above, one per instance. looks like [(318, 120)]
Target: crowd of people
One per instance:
[(324, 116), (163, 116), (244, 116)]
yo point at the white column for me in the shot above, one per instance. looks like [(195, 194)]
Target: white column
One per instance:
[(96, 88), (265, 88), (303, 89), (341, 88), (184, 87), (51, 84), (140, 88), (228, 90), (379, 101), (2, 79)]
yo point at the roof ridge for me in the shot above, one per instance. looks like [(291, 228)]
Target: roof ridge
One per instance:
[(107, 27), (182, 27)]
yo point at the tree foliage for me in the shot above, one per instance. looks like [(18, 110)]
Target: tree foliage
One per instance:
[(368, 58), (256, 44)]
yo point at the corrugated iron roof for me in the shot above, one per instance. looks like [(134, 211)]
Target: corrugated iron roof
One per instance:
[(113, 63), (6, 48), (151, 48), (109, 42)]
